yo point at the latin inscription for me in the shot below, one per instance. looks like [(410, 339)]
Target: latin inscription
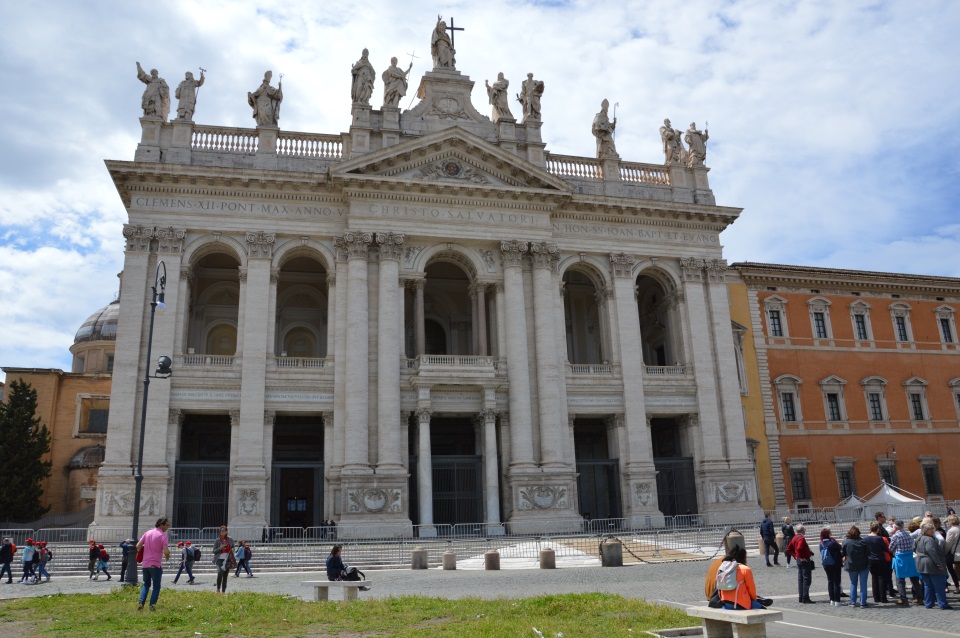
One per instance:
[(222, 206), (632, 232), (199, 395), (476, 217)]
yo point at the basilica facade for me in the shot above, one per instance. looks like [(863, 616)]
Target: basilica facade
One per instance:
[(429, 320)]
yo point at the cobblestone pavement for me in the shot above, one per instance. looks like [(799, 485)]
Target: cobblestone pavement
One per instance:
[(677, 583)]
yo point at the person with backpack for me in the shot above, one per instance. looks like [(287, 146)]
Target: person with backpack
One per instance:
[(799, 549), (125, 547), (243, 559), (788, 533), (182, 563), (28, 553), (93, 556), (7, 550), (769, 538), (223, 558), (877, 550), (45, 557), (335, 566), (856, 565), (735, 581), (832, 560), (103, 563), (904, 564)]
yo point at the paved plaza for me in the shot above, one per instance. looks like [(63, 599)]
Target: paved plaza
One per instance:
[(679, 584)]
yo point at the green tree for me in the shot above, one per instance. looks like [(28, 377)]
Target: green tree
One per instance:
[(23, 442)]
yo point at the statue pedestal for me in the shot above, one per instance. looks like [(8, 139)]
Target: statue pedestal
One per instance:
[(390, 129), (179, 152), (360, 130), (507, 133), (535, 145), (610, 165), (149, 148), (267, 147)]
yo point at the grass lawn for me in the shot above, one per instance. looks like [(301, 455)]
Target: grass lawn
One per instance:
[(182, 613)]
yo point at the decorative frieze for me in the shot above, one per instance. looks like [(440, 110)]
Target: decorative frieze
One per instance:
[(248, 502), (354, 244), (643, 494), (729, 491), (691, 268), (260, 244), (375, 501), (170, 239), (621, 264), (512, 252), (717, 270), (544, 255), (120, 502), (390, 245), (542, 497), (138, 238)]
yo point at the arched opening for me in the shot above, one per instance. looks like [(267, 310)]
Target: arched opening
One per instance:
[(215, 305), (447, 308), (436, 337), (301, 320), (582, 318), (658, 333)]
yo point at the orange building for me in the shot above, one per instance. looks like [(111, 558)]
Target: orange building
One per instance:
[(74, 407), (861, 381)]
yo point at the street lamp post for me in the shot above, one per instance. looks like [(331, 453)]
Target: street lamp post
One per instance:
[(163, 371)]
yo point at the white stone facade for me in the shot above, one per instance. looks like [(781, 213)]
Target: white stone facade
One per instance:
[(429, 268)]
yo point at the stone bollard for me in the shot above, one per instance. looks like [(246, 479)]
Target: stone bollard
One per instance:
[(449, 560), (611, 553), (418, 559), (548, 558), (491, 560)]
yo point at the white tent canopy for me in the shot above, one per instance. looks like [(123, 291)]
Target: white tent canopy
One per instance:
[(886, 494), (851, 502)]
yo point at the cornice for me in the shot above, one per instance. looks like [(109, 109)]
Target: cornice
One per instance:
[(757, 274)]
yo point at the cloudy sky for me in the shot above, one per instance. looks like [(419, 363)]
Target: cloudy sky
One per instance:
[(833, 124)]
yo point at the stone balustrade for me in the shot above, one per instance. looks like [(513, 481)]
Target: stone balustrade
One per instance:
[(203, 360), (312, 145), (592, 369), (661, 371), (644, 173), (301, 362), (224, 140), (576, 167)]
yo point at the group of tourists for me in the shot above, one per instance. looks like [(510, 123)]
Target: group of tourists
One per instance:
[(34, 558), (922, 552)]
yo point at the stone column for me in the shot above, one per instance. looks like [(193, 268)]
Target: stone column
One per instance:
[(328, 497), (269, 419), (482, 315), (330, 353), (694, 292), (420, 331), (424, 473), (501, 320), (182, 309), (639, 472), (357, 353), (515, 327), (389, 340), (545, 257), (272, 349), (340, 364), (474, 320), (491, 471), (248, 472)]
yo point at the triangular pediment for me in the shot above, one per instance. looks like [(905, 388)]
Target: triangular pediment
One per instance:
[(451, 157)]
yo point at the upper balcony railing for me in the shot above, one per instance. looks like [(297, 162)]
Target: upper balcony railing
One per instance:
[(576, 167), (309, 363), (665, 371), (593, 369), (224, 140), (311, 145), (644, 173), (193, 360)]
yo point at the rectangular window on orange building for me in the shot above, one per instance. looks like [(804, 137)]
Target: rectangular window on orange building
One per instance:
[(833, 407), (888, 474), (789, 409), (861, 323), (902, 329), (916, 407), (820, 325), (946, 330), (93, 414), (845, 481), (876, 406), (931, 478), (776, 327), (800, 484)]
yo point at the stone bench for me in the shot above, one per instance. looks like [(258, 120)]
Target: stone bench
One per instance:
[(321, 588), (722, 623)]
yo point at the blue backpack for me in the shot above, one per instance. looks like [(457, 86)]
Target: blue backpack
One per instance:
[(826, 559)]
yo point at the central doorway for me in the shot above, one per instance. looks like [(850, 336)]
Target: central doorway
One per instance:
[(676, 481), (598, 475), (297, 478), (457, 472), (202, 477)]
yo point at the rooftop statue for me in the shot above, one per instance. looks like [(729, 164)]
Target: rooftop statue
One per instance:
[(603, 130), (697, 142), (499, 98), (265, 101), (363, 77), (529, 97), (394, 83), (442, 48), (672, 146), (156, 97), (187, 96)]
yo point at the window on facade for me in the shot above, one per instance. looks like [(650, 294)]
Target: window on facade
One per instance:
[(833, 407), (875, 406), (788, 405), (93, 414), (860, 324), (800, 484), (819, 325), (776, 327), (78, 364), (901, 325), (888, 474), (946, 330), (845, 482), (110, 363), (916, 406), (931, 478)]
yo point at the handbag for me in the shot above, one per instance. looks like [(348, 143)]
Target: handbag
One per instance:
[(904, 565), (140, 554)]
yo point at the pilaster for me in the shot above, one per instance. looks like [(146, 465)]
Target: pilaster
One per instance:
[(389, 340), (148, 150)]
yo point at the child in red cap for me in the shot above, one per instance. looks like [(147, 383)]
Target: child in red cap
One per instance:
[(103, 562), (45, 557), (28, 553), (94, 557)]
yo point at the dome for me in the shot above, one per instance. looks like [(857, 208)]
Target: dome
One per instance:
[(101, 325)]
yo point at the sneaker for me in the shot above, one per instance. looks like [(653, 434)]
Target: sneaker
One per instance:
[(140, 607), (153, 608), (790, 566)]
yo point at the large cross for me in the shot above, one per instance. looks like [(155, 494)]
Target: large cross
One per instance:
[(452, 29)]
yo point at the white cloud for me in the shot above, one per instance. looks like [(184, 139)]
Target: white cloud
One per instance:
[(832, 123)]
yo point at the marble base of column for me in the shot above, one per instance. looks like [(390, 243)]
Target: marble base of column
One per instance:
[(641, 506), (543, 503), (374, 506)]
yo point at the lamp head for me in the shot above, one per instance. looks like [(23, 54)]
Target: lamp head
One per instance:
[(160, 304), (163, 367)]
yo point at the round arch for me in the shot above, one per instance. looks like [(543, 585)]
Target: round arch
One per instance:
[(470, 261), (220, 338), (205, 245), (311, 248), (592, 267)]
